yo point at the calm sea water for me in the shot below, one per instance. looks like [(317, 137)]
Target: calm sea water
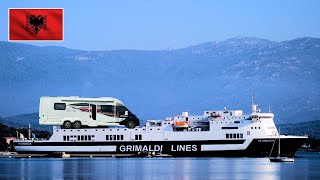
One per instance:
[(306, 166)]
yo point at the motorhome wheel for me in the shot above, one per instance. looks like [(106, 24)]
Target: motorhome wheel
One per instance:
[(77, 125), (131, 124), (67, 125)]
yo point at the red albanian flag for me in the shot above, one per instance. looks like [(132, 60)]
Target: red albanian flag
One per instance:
[(35, 24)]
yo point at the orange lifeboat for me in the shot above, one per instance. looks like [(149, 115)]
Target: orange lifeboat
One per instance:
[(181, 124)]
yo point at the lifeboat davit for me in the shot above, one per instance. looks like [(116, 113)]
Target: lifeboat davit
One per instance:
[(180, 124)]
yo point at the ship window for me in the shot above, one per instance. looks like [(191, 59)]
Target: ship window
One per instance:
[(89, 138), (118, 137), (107, 137), (241, 135), (227, 135), (234, 136), (258, 127), (85, 138), (229, 127), (114, 137), (59, 106), (78, 138), (251, 127), (82, 138), (248, 133), (64, 138), (238, 135), (138, 137), (255, 127)]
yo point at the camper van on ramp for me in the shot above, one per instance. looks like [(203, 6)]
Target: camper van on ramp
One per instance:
[(76, 112)]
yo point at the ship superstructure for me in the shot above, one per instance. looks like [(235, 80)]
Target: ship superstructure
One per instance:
[(214, 133)]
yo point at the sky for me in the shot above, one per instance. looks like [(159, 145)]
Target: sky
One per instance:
[(168, 24)]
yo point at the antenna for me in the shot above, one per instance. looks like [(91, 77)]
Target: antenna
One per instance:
[(252, 99)]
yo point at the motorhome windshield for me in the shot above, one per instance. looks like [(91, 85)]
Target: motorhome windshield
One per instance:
[(122, 110)]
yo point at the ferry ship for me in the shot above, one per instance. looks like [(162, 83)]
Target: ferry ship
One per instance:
[(221, 133)]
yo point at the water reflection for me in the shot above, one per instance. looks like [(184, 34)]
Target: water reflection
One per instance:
[(157, 168)]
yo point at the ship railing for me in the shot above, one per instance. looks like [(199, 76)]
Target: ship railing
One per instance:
[(32, 139)]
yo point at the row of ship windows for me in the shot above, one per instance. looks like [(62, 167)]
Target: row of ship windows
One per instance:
[(90, 137), (234, 135), (234, 117), (114, 137), (255, 127), (223, 117), (229, 122), (78, 138), (120, 137), (114, 129)]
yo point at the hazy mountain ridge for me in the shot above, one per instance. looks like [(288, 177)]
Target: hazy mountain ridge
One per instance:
[(311, 129), (23, 121), (157, 84)]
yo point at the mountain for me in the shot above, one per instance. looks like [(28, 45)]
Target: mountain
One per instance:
[(310, 128), (23, 120), (157, 84)]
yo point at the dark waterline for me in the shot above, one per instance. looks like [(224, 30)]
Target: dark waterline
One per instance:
[(306, 166)]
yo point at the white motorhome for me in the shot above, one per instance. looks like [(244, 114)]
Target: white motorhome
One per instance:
[(76, 112)]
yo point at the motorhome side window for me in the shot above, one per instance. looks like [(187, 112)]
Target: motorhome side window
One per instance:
[(107, 108), (59, 106)]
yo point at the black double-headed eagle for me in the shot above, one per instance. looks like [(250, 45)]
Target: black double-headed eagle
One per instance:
[(36, 22)]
